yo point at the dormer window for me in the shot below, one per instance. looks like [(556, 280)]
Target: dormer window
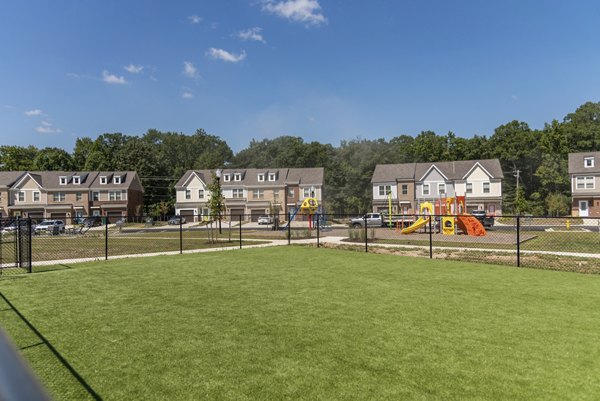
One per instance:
[(103, 180), (272, 176), (76, 180), (226, 177), (237, 177), (261, 177), (62, 180), (117, 179), (588, 162)]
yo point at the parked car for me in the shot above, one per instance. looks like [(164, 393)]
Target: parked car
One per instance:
[(379, 220), (265, 220), (483, 218), (11, 226), (50, 226), (176, 220)]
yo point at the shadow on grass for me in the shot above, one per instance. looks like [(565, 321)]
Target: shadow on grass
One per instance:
[(50, 347)]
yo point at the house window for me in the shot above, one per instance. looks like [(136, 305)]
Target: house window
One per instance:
[(425, 189), (76, 180), (226, 178), (261, 177), (103, 180), (201, 193), (188, 194), (306, 192), (95, 196), (486, 187), (21, 196), (588, 162), (78, 196), (276, 195), (404, 189), (58, 196), (272, 176), (469, 189), (442, 188), (291, 192), (237, 177), (36, 196), (258, 193), (117, 179), (114, 195), (62, 180), (585, 182), (384, 190), (238, 193)]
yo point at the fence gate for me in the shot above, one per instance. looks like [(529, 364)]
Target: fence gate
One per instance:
[(15, 245)]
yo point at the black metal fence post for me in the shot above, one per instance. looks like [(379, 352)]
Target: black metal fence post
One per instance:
[(366, 234), (289, 233), (240, 231), (318, 244), (18, 252), (430, 238), (106, 239), (180, 235), (518, 241), (30, 245)]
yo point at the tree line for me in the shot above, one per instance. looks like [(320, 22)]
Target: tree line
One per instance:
[(161, 158)]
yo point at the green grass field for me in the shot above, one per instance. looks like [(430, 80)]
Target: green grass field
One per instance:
[(306, 323)]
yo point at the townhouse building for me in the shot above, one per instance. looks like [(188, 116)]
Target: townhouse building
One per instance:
[(70, 196), (249, 192), (584, 173), (407, 185)]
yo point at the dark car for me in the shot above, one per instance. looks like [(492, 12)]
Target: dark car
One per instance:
[(177, 220), (484, 219)]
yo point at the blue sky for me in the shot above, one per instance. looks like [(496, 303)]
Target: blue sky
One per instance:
[(325, 70)]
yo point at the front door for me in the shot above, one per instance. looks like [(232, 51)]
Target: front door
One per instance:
[(583, 208)]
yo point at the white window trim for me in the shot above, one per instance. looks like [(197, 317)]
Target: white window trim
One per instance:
[(584, 181), (402, 186), (237, 177), (188, 194), (261, 177), (426, 186), (76, 180), (467, 186), (588, 159), (103, 180), (39, 196), (489, 187), (62, 180), (440, 186), (226, 177), (117, 179), (200, 194), (386, 189), (19, 196), (272, 177)]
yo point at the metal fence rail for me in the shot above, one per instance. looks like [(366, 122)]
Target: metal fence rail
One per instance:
[(566, 243)]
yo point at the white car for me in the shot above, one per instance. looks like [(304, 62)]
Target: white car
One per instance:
[(265, 220), (48, 226)]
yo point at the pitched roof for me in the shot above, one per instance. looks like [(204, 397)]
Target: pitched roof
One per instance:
[(576, 165), (283, 176), (50, 180), (454, 170)]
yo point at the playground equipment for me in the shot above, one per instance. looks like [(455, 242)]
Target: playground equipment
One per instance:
[(309, 206), (426, 212), (466, 222)]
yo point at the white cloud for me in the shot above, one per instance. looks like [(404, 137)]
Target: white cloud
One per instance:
[(112, 79), (134, 69), (220, 54), (34, 112), (47, 128), (252, 34), (189, 70), (307, 11), (195, 19), (187, 95)]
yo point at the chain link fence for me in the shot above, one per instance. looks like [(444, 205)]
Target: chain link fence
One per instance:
[(565, 243)]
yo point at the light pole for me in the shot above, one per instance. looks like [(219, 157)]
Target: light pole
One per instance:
[(218, 173)]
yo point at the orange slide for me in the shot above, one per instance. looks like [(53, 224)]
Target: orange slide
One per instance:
[(471, 225)]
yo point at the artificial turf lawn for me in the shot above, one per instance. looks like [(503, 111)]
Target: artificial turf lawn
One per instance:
[(306, 323)]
